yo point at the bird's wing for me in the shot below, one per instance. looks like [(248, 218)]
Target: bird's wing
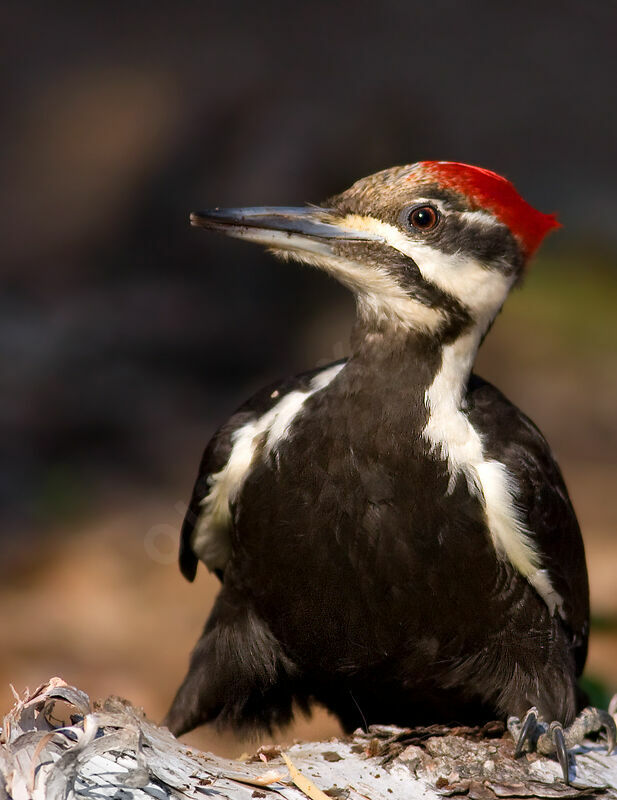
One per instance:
[(213, 527), (542, 500)]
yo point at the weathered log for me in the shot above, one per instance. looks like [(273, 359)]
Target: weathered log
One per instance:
[(112, 751)]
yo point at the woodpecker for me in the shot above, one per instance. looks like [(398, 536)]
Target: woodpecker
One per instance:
[(393, 537)]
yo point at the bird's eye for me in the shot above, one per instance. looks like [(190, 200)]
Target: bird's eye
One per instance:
[(423, 218)]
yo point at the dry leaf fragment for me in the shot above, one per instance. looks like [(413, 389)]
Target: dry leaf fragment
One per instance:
[(302, 782), (265, 779)]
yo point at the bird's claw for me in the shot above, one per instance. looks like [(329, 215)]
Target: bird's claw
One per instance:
[(533, 734), (557, 739), (593, 720), (528, 730)]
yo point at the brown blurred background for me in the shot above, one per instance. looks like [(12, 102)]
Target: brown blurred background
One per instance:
[(126, 336)]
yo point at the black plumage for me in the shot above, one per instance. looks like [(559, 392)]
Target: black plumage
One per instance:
[(336, 594), (368, 564), (217, 453)]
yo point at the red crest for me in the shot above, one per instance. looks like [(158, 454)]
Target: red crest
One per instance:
[(493, 193)]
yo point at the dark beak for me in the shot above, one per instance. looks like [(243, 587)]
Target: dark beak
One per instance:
[(306, 228)]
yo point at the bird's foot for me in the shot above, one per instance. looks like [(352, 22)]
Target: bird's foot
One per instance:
[(548, 739)]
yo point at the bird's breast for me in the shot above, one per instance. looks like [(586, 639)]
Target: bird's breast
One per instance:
[(351, 514)]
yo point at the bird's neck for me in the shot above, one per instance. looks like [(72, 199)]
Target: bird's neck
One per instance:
[(418, 359)]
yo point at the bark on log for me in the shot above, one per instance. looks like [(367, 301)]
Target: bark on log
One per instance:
[(112, 751)]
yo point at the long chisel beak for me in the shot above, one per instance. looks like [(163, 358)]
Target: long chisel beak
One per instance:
[(308, 228)]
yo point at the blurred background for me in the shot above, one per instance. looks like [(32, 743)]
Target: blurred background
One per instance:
[(126, 337)]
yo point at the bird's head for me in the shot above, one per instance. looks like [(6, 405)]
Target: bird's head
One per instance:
[(433, 247)]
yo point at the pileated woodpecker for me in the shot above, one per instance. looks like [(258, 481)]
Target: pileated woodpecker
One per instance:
[(393, 537)]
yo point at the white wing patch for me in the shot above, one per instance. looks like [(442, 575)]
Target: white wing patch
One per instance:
[(453, 438), (210, 539)]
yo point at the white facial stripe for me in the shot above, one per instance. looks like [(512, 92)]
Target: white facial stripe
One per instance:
[(479, 289), (453, 438), (377, 292), (210, 539), (479, 218)]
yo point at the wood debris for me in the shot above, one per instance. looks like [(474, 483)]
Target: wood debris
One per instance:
[(111, 750)]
